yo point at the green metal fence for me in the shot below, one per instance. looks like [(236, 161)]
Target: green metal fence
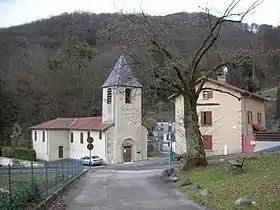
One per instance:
[(22, 185)]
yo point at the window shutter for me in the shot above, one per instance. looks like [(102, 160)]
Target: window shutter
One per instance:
[(210, 94), (202, 118), (207, 141), (209, 118)]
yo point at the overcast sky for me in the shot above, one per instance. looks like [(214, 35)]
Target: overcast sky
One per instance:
[(15, 12)]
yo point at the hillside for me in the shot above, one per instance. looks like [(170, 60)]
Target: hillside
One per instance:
[(55, 67)]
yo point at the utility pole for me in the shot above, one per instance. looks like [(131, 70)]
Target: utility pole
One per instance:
[(170, 140), (253, 71)]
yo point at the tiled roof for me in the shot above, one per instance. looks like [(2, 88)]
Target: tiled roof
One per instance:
[(84, 123), (121, 75), (242, 91)]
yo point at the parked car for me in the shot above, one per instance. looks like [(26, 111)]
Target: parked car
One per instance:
[(94, 160)]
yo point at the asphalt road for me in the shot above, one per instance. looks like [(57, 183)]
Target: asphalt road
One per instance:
[(126, 190), (161, 162)]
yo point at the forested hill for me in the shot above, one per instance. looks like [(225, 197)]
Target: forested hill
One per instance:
[(55, 67)]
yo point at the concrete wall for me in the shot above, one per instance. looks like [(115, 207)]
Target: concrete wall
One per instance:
[(108, 110), (179, 126), (128, 124), (78, 149), (144, 143), (58, 138), (39, 146), (255, 106), (261, 145), (226, 128), (109, 144)]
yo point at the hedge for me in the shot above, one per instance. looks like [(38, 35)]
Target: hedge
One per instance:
[(20, 153)]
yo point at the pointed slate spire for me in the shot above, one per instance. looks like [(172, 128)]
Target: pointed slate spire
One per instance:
[(121, 75)]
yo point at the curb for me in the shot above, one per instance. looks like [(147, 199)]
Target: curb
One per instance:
[(46, 203)]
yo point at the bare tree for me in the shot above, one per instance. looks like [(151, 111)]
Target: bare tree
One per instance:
[(177, 72)]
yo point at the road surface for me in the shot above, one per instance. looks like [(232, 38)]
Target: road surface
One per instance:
[(126, 190), (133, 186)]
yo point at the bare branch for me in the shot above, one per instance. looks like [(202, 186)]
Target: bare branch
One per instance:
[(215, 31)]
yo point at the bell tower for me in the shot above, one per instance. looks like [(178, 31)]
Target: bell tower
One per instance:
[(120, 91)]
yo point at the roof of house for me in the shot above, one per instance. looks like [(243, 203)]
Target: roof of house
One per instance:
[(121, 75), (242, 91), (83, 123)]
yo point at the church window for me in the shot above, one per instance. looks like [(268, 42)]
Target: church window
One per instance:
[(128, 96), (81, 138), (109, 96)]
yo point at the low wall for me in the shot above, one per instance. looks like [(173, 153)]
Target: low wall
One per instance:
[(262, 145), (4, 161), (265, 140)]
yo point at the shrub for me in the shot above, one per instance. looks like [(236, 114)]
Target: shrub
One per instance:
[(29, 193), (20, 153)]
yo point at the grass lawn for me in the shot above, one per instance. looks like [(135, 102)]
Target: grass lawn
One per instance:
[(260, 183), (19, 180)]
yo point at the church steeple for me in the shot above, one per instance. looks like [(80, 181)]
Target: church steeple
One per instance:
[(121, 91), (121, 76)]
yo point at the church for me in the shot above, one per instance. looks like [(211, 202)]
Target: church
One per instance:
[(118, 134)]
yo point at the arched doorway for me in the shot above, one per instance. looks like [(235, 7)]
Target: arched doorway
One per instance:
[(127, 150)]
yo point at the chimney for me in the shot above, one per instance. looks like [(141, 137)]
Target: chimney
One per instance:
[(222, 77)]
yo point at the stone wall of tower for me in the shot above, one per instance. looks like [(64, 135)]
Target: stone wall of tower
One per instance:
[(128, 122), (108, 109)]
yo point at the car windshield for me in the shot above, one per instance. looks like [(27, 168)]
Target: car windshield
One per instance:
[(95, 156)]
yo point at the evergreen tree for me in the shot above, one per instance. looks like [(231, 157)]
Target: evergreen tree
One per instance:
[(17, 135)]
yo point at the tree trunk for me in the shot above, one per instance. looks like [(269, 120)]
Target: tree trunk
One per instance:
[(195, 152)]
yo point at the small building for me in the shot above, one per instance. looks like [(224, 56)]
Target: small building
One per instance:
[(226, 117), (118, 134)]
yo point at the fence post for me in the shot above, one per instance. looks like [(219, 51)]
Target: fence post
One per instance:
[(32, 174), (56, 174), (10, 186), (73, 167), (46, 166), (67, 169), (62, 174), (76, 166)]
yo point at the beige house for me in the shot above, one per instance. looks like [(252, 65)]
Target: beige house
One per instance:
[(118, 134), (224, 119)]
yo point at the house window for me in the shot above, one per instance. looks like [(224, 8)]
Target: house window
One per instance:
[(250, 116), (207, 141), (259, 118), (43, 136), (81, 138), (206, 118), (207, 94), (72, 137), (35, 135), (109, 96), (128, 96), (100, 134)]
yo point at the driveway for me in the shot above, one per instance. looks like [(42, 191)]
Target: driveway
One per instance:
[(126, 190)]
